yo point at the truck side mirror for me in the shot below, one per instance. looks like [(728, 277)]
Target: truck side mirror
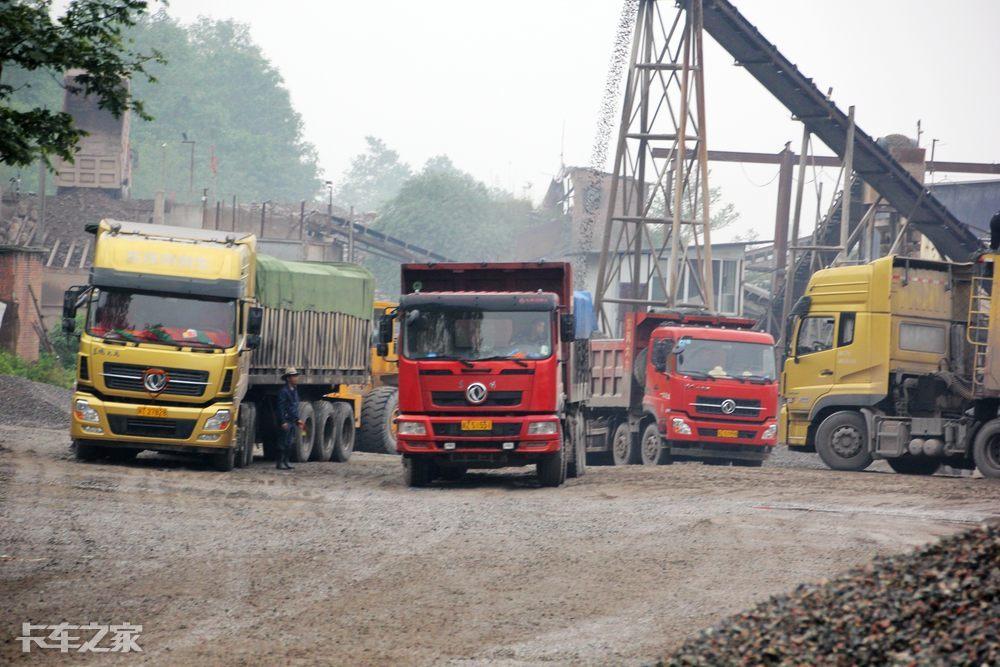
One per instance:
[(567, 328), (255, 321), (70, 300), (661, 350), (382, 349), (385, 332), (253, 341)]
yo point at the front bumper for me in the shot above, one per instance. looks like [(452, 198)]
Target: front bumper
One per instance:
[(508, 437), (181, 429), (718, 432)]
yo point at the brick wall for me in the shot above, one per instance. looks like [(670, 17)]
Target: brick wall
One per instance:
[(20, 272)]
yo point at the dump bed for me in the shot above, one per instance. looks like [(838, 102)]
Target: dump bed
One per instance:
[(317, 318), (555, 277)]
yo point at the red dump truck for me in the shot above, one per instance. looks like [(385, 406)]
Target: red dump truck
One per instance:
[(487, 370), (682, 385)]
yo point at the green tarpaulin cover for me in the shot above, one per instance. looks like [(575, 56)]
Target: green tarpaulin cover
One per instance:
[(322, 287)]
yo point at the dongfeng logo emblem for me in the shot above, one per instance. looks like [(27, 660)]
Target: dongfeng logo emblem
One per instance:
[(476, 393), (728, 406), (155, 380)]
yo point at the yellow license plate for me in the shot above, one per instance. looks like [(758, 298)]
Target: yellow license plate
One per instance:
[(477, 424), (146, 411), (728, 433)]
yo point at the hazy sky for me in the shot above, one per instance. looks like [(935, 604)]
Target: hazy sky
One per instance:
[(497, 85)]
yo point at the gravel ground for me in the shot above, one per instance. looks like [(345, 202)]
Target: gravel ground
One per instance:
[(940, 605), (28, 403), (340, 563)]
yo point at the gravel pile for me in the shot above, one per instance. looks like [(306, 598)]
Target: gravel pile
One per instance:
[(27, 403), (940, 605)]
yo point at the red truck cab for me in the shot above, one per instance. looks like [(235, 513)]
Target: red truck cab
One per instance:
[(484, 361), (702, 387)]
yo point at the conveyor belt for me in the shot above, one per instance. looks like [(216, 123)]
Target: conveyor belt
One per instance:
[(872, 163)]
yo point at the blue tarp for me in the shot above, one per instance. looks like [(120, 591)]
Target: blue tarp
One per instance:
[(586, 318)]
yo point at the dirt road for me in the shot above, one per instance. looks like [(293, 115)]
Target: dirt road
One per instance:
[(342, 564)]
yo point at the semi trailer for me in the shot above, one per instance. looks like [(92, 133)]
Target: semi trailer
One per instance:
[(186, 335)]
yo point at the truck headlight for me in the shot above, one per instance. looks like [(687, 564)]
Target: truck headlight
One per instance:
[(219, 421), (543, 428), (770, 432), (412, 428), (680, 426), (84, 412)]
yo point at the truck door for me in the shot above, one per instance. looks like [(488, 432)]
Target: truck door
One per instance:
[(811, 371)]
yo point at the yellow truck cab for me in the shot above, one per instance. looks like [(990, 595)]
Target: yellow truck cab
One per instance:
[(891, 360), (186, 334)]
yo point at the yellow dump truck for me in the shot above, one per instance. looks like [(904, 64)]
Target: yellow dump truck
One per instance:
[(186, 335), (896, 360), (380, 405)]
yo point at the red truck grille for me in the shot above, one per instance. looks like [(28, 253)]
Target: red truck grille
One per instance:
[(712, 405), (452, 399)]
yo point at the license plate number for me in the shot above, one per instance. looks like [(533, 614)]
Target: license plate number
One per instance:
[(147, 411), (728, 433), (477, 424)]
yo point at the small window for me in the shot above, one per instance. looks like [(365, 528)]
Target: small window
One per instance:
[(922, 338), (845, 335), (815, 335)]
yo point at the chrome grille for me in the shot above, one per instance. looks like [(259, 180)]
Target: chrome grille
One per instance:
[(712, 405), (128, 377)]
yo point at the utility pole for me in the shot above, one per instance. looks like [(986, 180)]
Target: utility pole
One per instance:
[(191, 171), (42, 173), (845, 200)]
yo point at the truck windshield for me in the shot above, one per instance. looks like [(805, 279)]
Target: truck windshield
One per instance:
[(145, 317), (472, 334), (704, 358)]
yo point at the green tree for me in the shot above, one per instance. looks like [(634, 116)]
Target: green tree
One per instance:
[(91, 35), (222, 92), (374, 177), (219, 90), (447, 210)]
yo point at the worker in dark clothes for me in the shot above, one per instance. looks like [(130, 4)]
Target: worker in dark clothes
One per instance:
[(288, 417), (995, 232)]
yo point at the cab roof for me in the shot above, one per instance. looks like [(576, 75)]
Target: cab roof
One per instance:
[(713, 333)]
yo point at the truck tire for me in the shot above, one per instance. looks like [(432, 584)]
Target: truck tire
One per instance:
[(417, 472), (225, 460), (654, 451), (302, 445), (914, 465), (624, 450), (379, 410), (842, 441), (343, 419), (246, 425), (551, 469), (578, 463), (986, 449), (83, 451), (270, 430), (326, 431)]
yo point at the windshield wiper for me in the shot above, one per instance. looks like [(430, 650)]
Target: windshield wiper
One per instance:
[(462, 360), (697, 375), (764, 379), (500, 357)]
